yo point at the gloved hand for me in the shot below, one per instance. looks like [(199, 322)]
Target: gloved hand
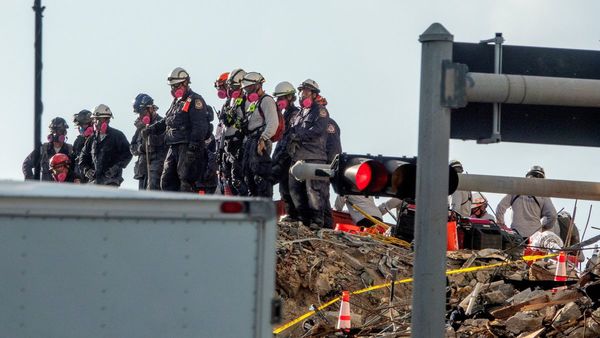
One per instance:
[(90, 174), (112, 171), (291, 148), (260, 148), (148, 130), (138, 123)]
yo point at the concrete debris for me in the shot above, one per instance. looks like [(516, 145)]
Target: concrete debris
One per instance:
[(523, 322), (513, 300)]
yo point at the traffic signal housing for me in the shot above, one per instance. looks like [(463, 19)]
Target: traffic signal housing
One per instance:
[(379, 176)]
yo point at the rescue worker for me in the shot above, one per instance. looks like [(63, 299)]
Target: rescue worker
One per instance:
[(60, 167), (83, 121), (151, 149), (186, 126), (221, 87), (232, 117), (460, 201), (56, 144), (528, 210), (285, 94), (565, 220), (389, 206), (106, 153), (259, 125), (334, 142), (308, 143), (354, 203), (333, 148), (479, 208)]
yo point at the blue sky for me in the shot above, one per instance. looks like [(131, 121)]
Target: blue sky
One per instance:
[(364, 54)]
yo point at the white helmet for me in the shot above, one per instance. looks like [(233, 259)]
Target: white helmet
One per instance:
[(178, 75), (478, 199), (457, 166), (536, 171), (235, 77), (252, 78), (284, 88), (310, 84), (102, 110), (564, 214)]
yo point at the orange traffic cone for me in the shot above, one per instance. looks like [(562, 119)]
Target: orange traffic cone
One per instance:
[(228, 191), (344, 317), (561, 271)]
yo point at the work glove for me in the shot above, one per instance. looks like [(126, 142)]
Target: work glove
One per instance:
[(112, 171), (90, 174), (148, 130), (260, 148), (291, 148)]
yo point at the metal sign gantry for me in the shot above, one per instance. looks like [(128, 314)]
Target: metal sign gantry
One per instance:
[(446, 88)]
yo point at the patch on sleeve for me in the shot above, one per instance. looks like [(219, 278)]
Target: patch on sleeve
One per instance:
[(323, 112), (198, 104), (331, 128)]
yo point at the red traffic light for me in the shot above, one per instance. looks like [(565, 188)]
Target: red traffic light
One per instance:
[(379, 176), (364, 175)]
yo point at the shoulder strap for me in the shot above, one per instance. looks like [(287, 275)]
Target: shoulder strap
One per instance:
[(514, 199), (262, 115), (469, 199), (534, 198)]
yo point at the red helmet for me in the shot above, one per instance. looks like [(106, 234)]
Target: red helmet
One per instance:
[(59, 159), (221, 80)]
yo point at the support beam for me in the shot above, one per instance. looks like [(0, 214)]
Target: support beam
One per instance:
[(536, 90), (530, 186)]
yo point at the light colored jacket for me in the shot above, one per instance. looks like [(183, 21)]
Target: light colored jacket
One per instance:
[(460, 201), (527, 213), (366, 204)]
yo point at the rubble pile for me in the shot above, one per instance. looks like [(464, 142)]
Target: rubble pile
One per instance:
[(507, 300), (313, 268)]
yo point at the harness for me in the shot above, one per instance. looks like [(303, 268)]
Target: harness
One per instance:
[(517, 196)]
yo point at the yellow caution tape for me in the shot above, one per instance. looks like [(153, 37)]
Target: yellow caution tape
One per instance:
[(403, 281), (381, 238), (367, 216)]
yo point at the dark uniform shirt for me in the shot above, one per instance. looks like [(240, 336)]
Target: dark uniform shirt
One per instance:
[(46, 152), (157, 150), (334, 143), (186, 121), (77, 148), (310, 131), (107, 156)]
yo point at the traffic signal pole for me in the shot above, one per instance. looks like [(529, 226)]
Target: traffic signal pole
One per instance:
[(429, 295), (37, 101)]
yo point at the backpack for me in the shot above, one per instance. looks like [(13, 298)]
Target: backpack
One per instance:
[(281, 121)]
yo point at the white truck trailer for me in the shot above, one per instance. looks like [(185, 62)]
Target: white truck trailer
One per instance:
[(87, 261)]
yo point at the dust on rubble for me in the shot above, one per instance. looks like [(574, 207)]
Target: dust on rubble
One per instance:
[(315, 267)]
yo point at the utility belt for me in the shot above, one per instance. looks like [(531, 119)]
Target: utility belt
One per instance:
[(237, 136), (179, 128), (256, 132)]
